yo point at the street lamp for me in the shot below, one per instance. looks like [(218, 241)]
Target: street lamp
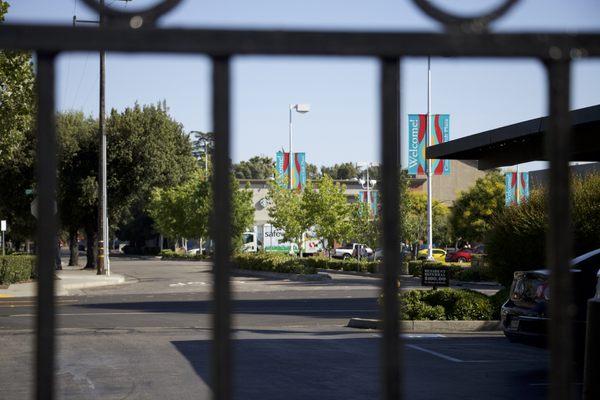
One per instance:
[(302, 109), (367, 184)]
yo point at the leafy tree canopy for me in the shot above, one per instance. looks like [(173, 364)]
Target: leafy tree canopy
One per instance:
[(257, 167), (474, 209), (327, 208)]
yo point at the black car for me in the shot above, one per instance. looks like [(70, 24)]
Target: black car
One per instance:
[(525, 313)]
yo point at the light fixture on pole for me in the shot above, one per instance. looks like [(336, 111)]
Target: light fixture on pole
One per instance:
[(367, 184), (302, 109)]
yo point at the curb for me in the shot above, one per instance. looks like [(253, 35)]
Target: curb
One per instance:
[(430, 326), (281, 275)]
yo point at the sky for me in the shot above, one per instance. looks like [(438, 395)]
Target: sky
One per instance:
[(343, 123)]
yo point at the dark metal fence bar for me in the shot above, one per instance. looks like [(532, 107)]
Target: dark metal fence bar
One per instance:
[(390, 142), (221, 227), (224, 42), (559, 239), (47, 226)]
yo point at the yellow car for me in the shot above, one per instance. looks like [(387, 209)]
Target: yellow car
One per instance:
[(438, 255)]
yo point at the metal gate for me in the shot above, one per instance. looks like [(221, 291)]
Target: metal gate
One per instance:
[(134, 32)]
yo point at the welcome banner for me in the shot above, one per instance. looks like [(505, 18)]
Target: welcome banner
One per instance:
[(374, 195), (417, 129), (441, 130), (282, 165), (511, 179)]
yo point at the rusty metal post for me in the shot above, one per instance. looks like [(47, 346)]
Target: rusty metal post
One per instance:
[(47, 226), (559, 239), (390, 149), (221, 232)]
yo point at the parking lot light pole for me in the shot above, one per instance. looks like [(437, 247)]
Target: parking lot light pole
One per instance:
[(302, 109), (429, 188)]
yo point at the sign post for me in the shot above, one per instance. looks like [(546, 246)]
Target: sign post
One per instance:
[(3, 229), (435, 276)]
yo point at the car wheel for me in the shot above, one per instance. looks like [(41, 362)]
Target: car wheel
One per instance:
[(462, 259), (346, 256)]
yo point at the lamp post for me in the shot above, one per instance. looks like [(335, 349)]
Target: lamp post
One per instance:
[(429, 188), (367, 184), (302, 109)]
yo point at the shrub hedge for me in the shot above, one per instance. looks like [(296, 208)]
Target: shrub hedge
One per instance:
[(274, 262), (516, 239), (173, 255), (17, 268), (445, 304)]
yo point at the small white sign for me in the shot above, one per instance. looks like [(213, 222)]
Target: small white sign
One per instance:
[(3, 225)]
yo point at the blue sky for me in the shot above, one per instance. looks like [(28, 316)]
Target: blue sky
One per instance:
[(343, 122)]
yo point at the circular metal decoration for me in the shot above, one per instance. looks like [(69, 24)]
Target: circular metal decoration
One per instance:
[(133, 19), (478, 23)]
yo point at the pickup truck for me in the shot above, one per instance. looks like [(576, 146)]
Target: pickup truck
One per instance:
[(351, 249)]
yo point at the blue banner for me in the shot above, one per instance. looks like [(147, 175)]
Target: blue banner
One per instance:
[(417, 129)]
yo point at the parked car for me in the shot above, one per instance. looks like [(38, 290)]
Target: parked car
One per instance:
[(464, 255), (438, 254), (351, 250), (378, 253), (524, 315)]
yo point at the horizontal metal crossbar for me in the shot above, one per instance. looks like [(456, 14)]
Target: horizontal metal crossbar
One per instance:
[(265, 42)]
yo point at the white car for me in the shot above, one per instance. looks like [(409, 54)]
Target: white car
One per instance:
[(351, 249)]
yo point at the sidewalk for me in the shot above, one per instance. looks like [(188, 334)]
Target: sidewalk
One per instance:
[(68, 282)]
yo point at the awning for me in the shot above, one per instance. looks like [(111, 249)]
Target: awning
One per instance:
[(523, 142)]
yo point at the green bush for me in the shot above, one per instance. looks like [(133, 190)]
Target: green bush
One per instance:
[(516, 239), (17, 268), (274, 262), (445, 304), (414, 267), (342, 265), (479, 274), (173, 255)]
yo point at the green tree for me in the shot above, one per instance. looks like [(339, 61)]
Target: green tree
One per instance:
[(474, 209), (78, 189), (185, 210), (17, 140), (147, 149), (341, 171), (327, 208), (365, 226), (286, 212), (416, 219), (517, 235), (258, 167), (312, 172), (17, 100)]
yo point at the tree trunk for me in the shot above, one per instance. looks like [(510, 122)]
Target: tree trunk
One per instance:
[(73, 248), (91, 236)]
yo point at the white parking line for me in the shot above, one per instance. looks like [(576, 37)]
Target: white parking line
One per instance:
[(435, 353)]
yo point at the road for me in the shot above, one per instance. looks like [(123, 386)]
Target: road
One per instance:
[(150, 339)]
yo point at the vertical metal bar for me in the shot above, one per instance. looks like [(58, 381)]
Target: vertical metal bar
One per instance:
[(221, 226), (47, 226), (559, 240), (390, 148), (102, 201)]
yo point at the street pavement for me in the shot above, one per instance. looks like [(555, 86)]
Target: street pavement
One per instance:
[(150, 339)]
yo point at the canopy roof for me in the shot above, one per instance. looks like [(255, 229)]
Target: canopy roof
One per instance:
[(523, 142)]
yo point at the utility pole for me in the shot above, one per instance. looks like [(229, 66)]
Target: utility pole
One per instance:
[(103, 264), (102, 206)]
